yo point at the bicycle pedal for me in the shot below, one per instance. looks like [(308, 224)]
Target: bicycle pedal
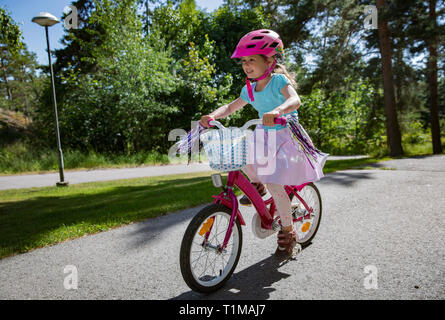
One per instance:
[(295, 251)]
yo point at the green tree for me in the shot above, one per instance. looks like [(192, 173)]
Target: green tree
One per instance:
[(179, 25), (120, 107), (392, 125), (413, 26), (201, 46), (342, 122), (79, 44), (426, 36), (196, 93), (10, 45), (24, 85), (433, 44)]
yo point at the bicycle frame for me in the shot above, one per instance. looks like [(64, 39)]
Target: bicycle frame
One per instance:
[(236, 178), (228, 199)]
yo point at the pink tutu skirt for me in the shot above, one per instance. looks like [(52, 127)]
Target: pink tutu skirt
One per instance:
[(276, 156)]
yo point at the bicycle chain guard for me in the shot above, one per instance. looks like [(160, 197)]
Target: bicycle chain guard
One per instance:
[(258, 231)]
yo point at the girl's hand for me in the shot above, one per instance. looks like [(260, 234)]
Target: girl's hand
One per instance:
[(205, 120), (269, 118)]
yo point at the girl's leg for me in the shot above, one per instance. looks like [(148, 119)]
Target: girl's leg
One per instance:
[(283, 205), (287, 238)]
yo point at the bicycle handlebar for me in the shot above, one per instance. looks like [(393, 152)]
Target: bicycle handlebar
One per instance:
[(280, 120)]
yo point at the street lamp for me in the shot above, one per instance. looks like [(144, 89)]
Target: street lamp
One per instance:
[(46, 20)]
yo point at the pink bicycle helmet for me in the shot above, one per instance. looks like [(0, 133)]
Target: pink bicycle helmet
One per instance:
[(264, 42)]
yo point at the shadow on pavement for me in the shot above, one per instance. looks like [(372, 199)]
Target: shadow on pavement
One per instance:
[(347, 179), (151, 229), (253, 283)]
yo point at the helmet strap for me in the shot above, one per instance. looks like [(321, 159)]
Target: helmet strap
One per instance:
[(268, 71)]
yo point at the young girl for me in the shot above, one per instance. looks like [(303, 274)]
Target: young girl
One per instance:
[(273, 95)]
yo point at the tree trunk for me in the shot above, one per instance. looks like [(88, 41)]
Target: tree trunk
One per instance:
[(398, 80), (392, 126), (432, 82), (5, 78)]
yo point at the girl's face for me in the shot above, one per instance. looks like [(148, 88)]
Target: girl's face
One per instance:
[(255, 66)]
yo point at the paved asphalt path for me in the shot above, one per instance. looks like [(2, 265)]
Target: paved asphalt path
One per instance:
[(387, 221), (79, 176)]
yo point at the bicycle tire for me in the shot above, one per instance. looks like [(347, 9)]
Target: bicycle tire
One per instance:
[(313, 187), (192, 230)]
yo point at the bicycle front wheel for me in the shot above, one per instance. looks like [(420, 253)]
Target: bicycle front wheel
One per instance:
[(204, 266)]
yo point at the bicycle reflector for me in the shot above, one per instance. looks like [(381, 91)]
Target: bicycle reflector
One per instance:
[(206, 226), (217, 180), (305, 227)]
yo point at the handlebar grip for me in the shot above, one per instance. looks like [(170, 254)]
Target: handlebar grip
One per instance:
[(280, 120), (208, 123)]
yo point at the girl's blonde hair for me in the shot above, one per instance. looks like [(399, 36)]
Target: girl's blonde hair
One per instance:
[(281, 68)]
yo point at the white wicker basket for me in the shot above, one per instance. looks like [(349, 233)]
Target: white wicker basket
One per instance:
[(226, 148)]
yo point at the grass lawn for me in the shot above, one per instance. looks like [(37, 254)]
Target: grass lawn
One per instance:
[(37, 217)]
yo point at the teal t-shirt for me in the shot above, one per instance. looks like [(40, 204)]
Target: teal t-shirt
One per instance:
[(269, 98)]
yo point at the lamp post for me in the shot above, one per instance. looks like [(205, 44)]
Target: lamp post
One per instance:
[(46, 20)]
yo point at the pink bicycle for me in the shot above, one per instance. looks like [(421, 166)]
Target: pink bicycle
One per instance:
[(212, 242)]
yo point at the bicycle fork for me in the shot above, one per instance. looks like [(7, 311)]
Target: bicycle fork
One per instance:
[(228, 199), (307, 210)]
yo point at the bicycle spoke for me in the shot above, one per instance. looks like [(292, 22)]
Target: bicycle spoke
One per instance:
[(213, 266), (197, 260), (222, 232), (205, 266)]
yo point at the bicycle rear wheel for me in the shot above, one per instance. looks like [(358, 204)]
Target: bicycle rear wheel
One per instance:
[(204, 267), (308, 223)]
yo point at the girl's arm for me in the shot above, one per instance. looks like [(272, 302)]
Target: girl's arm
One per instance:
[(292, 103), (224, 111)]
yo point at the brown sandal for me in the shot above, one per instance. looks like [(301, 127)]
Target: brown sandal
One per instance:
[(287, 244)]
